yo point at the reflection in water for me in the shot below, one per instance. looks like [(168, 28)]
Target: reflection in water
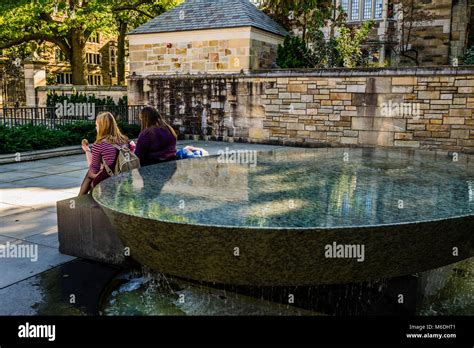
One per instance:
[(471, 191), (298, 188), (137, 185)]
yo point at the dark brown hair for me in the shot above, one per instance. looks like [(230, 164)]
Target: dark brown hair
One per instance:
[(150, 118)]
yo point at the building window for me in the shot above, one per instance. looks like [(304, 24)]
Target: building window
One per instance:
[(64, 79), (93, 58), (113, 61), (367, 9), (59, 55), (94, 38), (345, 5), (378, 9), (355, 10), (95, 80), (362, 9)]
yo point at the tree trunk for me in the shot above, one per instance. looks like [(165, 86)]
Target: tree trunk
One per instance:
[(78, 61), (121, 53), (304, 28)]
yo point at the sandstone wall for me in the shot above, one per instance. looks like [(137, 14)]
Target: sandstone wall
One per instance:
[(403, 111), (212, 51), (430, 108), (459, 27)]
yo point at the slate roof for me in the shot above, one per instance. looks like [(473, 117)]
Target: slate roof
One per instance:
[(210, 14)]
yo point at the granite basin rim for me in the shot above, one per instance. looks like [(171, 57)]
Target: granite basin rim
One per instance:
[(418, 158), (302, 229)]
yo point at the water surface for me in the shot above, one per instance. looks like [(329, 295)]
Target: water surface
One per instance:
[(299, 188)]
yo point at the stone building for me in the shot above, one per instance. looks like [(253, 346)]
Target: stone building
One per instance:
[(232, 35), (206, 36), (101, 56), (444, 34), (102, 69)]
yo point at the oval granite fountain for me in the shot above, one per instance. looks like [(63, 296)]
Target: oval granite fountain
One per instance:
[(297, 216)]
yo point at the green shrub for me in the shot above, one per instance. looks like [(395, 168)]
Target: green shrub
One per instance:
[(79, 130), (344, 50), (468, 58), (80, 98), (130, 130), (30, 137), (293, 54)]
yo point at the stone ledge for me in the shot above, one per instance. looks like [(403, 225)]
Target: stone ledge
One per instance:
[(83, 88), (336, 72), (41, 154)]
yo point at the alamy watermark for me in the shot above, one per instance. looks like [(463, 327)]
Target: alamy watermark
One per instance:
[(345, 251), (37, 331), (403, 109), (19, 251), (228, 156), (75, 110)]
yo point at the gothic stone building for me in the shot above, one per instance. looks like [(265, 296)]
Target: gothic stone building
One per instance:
[(444, 31), (101, 56)]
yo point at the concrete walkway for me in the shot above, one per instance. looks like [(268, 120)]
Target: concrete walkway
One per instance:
[(28, 195)]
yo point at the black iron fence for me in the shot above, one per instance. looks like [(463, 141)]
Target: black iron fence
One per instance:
[(53, 117)]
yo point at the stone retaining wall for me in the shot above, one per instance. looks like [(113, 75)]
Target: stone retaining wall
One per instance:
[(430, 108), (406, 111)]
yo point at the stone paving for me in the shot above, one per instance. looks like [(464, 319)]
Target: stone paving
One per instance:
[(28, 195)]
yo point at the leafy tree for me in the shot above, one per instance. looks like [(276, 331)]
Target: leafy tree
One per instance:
[(324, 52), (66, 23), (301, 14), (349, 43), (70, 23), (315, 49), (130, 14), (411, 13), (344, 50)]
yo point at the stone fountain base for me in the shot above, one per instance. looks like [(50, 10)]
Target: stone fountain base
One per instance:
[(292, 257)]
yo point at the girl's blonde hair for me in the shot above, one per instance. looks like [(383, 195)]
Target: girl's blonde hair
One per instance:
[(108, 130)]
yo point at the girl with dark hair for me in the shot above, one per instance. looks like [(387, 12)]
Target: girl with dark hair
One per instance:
[(157, 140)]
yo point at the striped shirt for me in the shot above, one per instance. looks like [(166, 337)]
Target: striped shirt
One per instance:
[(101, 151)]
